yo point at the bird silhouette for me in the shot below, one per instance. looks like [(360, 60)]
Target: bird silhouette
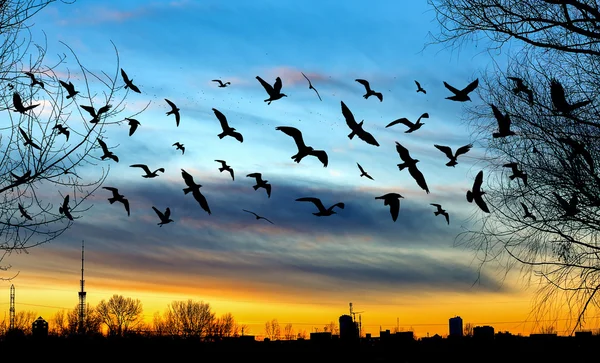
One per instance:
[(303, 150), (27, 140), (463, 94), (257, 216), (133, 125), (559, 100), (441, 211), (419, 88), (357, 129), (70, 88), (118, 198), (570, 207), (411, 126), (221, 84), (164, 217), (227, 130), (322, 211), (527, 212), (64, 208), (224, 166), (260, 183), (96, 115), (363, 172), (446, 150), (503, 123), (34, 80), (179, 146), (411, 164), (476, 194), (149, 174), (310, 86), (62, 130), (21, 179), (578, 148), (521, 87), (174, 111), (24, 213), (129, 82), (516, 173), (18, 104), (107, 154), (195, 189), (273, 91), (369, 91), (393, 200)]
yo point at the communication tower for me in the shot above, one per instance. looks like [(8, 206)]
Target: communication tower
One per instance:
[(82, 293), (12, 307)]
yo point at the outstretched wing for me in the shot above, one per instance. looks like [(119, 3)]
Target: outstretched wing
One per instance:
[(171, 104), (367, 137), (267, 86), (201, 199), (445, 149), (463, 149), (419, 178), (278, 84), (403, 152), (403, 121), (471, 87), (125, 78), (189, 180), (364, 83), (350, 121), (295, 133), (321, 155), (247, 211), (452, 89), (360, 168), (222, 118), (317, 202), (477, 183), (145, 167), (103, 145)]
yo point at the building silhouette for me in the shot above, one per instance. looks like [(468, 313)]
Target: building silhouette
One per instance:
[(456, 327), (483, 332), (348, 328), (39, 328)]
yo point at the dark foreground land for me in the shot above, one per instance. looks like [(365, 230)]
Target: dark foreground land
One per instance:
[(140, 349)]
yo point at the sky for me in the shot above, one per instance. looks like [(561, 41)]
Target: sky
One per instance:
[(302, 269)]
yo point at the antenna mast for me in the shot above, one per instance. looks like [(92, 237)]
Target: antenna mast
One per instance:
[(82, 293), (12, 307)]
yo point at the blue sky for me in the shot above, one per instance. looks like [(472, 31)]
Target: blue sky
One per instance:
[(173, 50)]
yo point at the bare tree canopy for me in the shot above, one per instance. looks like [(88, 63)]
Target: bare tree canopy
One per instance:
[(541, 183), (120, 314)]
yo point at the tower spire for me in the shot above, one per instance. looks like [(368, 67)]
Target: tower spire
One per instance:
[(82, 293), (12, 307)]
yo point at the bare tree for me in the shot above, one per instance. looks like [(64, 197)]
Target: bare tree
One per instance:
[(45, 145), (332, 327), (554, 114), (302, 334), (120, 314), (65, 322), (288, 332), (468, 330), (189, 318), (224, 326), (272, 329)]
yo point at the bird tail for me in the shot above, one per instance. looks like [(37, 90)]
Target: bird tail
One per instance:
[(221, 135), (436, 213), (112, 200), (351, 135), (60, 210), (469, 196), (512, 177), (451, 163), (402, 166), (187, 190), (221, 169), (255, 187)]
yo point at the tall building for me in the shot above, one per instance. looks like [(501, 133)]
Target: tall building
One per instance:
[(348, 328), (456, 326)]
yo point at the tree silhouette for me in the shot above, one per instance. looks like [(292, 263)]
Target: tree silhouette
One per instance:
[(556, 144), (187, 319), (120, 314), (36, 176), (272, 330), (65, 322)]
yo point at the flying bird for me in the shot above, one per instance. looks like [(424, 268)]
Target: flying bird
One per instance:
[(419, 88), (411, 126), (21, 179), (96, 115), (129, 82), (411, 164), (118, 198), (441, 211), (476, 194), (174, 111), (516, 173), (369, 91), (559, 100), (195, 189), (164, 217), (24, 213), (149, 174), (273, 91), (463, 94), (257, 216), (62, 130), (27, 140), (393, 200), (260, 183), (357, 129), (221, 84), (224, 167), (570, 207), (322, 211), (503, 123), (303, 150), (521, 87), (107, 153), (34, 80), (64, 208), (133, 125), (578, 148), (227, 130), (70, 88), (179, 146), (527, 212), (363, 172), (18, 104), (446, 150), (310, 86)]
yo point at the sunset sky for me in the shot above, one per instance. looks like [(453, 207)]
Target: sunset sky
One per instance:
[(302, 269)]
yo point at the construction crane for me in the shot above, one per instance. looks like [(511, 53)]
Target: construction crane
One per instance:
[(353, 313)]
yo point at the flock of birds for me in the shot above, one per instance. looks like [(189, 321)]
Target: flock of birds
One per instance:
[(475, 194)]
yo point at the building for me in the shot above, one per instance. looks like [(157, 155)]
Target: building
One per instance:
[(456, 327), (483, 332), (39, 328), (348, 328)]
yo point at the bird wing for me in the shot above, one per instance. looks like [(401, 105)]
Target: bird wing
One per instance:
[(463, 149), (445, 149), (360, 168), (403, 121), (238, 136), (159, 213), (201, 199), (340, 205), (66, 202), (452, 89), (124, 75), (503, 122), (103, 146), (471, 86), (394, 204), (294, 133), (17, 101), (350, 121), (477, 183), (218, 80), (112, 189), (24, 134), (171, 104), (266, 86), (317, 202), (64, 84), (126, 204), (525, 209), (222, 119), (145, 167), (167, 213), (309, 83), (367, 137), (419, 178), (268, 188), (436, 205), (247, 211), (364, 83), (403, 152), (557, 94), (254, 175), (447, 217), (321, 155), (418, 84), (481, 203), (513, 166), (278, 84), (189, 180)]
